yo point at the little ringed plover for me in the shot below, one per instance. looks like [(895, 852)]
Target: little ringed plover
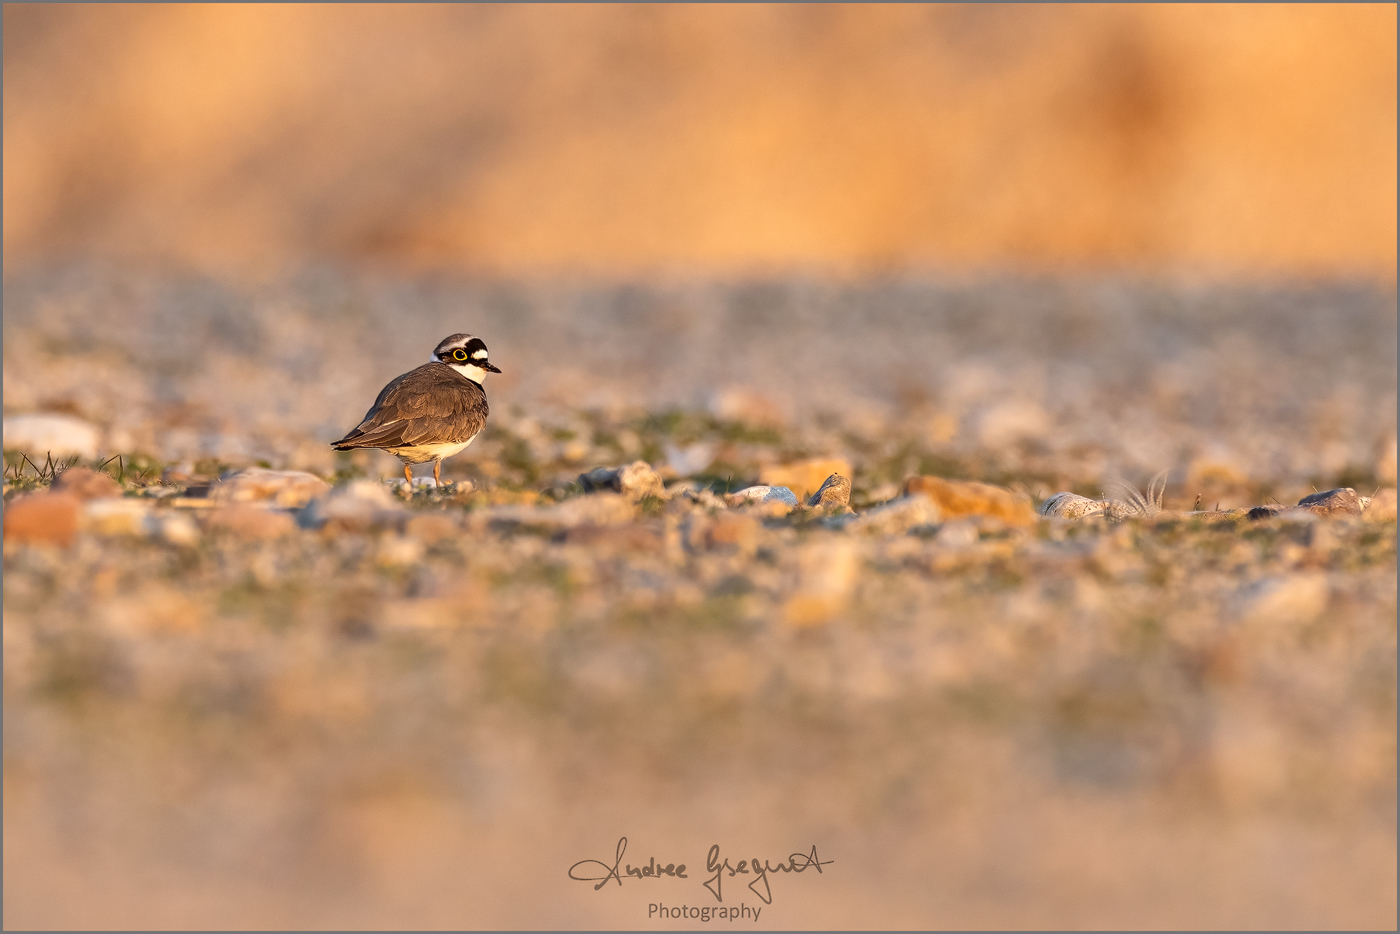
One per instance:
[(432, 412)]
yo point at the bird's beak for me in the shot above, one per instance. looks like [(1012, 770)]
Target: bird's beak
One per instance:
[(490, 367)]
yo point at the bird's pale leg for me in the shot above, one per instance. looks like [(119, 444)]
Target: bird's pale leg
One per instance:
[(437, 473), (408, 475)]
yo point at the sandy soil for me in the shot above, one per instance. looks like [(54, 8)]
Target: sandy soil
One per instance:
[(422, 715)]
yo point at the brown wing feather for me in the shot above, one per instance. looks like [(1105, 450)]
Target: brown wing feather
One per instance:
[(431, 404)]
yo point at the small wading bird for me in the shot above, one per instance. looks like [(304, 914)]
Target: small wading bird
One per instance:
[(432, 412)]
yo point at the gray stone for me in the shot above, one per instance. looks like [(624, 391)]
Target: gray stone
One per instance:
[(761, 495), (1071, 506)]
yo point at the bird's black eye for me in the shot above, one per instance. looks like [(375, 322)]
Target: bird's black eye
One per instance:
[(459, 355)]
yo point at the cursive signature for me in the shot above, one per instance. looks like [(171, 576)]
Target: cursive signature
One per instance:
[(651, 870), (602, 873), (796, 862)]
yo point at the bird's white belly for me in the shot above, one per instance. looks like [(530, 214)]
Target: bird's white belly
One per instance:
[(422, 453)]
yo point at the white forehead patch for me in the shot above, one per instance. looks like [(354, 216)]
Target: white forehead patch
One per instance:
[(479, 354)]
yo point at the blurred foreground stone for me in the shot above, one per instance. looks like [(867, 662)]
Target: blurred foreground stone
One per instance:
[(898, 515), (1283, 600), (356, 507), (287, 488), (958, 498), (86, 484), (43, 434), (42, 518), (118, 516), (597, 509), (1382, 506), (634, 481), (249, 522), (431, 527), (827, 573), (735, 533)]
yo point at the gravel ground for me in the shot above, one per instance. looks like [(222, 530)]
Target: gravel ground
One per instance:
[(377, 711)]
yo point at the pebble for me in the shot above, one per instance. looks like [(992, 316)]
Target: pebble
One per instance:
[(253, 523), (290, 489), (899, 515), (397, 484), (61, 514), (50, 434), (184, 473), (1339, 502), (1294, 514), (1267, 511), (761, 496), (805, 477), (1071, 506), (113, 516), (86, 484), (358, 506), (634, 481), (43, 518), (703, 497), (836, 491), (958, 498)]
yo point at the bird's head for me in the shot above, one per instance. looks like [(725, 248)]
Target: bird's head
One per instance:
[(465, 354)]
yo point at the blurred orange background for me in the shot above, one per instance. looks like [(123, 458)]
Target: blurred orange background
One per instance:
[(715, 140)]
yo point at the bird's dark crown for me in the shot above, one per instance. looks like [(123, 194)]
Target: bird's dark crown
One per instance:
[(467, 355), (474, 347)]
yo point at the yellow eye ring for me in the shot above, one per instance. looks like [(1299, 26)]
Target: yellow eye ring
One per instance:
[(459, 355)]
